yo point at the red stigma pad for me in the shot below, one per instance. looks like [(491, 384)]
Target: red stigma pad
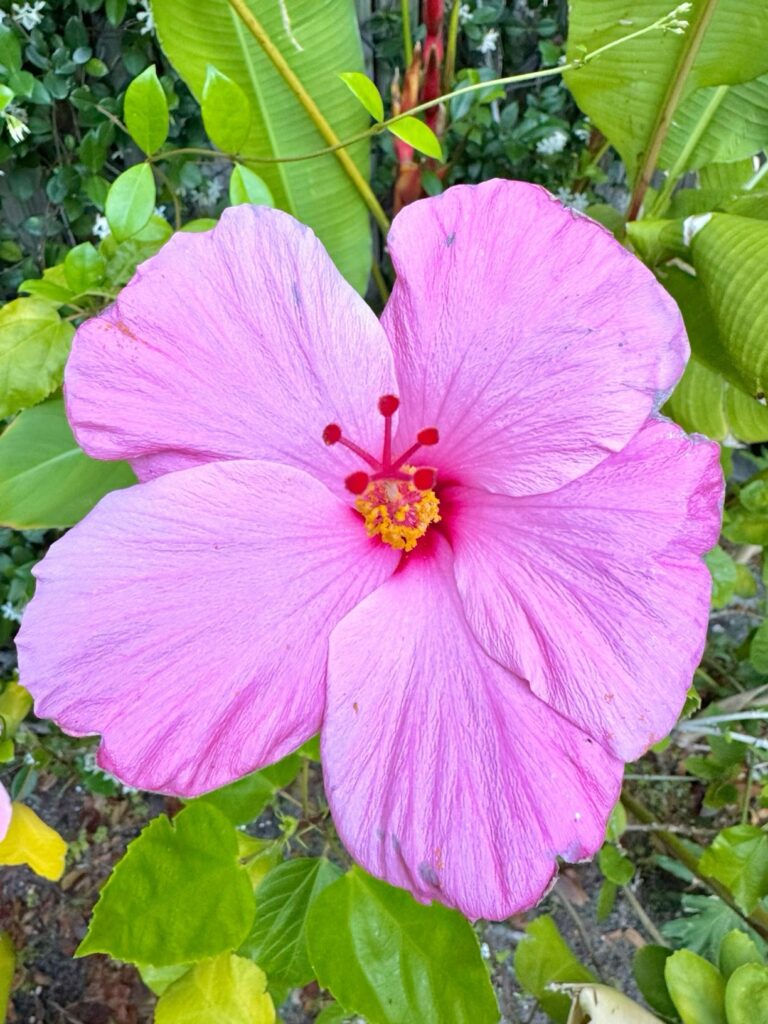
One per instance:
[(357, 482), (388, 405), (428, 436), (332, 433), (424, 479)]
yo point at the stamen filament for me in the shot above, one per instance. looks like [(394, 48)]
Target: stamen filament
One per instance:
[(373, 463)]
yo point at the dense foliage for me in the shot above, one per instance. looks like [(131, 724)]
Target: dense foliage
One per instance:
[(125, 122)]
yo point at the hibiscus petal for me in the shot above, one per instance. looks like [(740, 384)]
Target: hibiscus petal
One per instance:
[(526, 333), (233, 343), (5, 811), (596, 593), (445, 775), (187, 620)]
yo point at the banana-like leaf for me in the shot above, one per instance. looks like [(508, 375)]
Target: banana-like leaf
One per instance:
[(624, 90), (319, 39), (729, 254), (731, 123)]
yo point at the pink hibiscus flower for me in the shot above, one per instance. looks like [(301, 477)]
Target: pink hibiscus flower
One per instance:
[(5, 812), (460, 541)]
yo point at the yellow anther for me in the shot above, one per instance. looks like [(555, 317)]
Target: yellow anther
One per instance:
[(398, 512)]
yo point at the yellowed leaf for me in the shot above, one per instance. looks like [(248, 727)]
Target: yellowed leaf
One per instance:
[(30, 841)]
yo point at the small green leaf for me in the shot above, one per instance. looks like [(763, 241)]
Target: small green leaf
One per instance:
[(724, 576), (178, 895), (615, 866), (146, 111), (226, 111), (696, 988), (606, 899), (542, 958), (245, 186), (84, 267), (366, 938), (278, 940), (738, 857), (365, 90), (617, 823), (746, 995), (737, 949), (226, 989), (648, 967), (6, 95), (245, 799), (130, 201), (418, 135), (758, 648), (46, 481), (10, 49), (34, 345)]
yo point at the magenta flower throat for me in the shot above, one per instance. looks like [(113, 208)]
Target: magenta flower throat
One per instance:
[(460, 542)]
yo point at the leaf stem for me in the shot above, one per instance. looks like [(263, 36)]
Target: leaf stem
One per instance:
[(758, 919), (690, 49), (294, 83), (405, 10), (679, 167)]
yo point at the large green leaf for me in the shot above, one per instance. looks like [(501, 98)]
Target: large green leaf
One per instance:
[(177, 896), (45, 479), (738, 857), (746, 995), (391, 959), (696, 987), (320, 41), (730, 258), (278, 939), (731, 122), (543, 958), (623, 90), (34, 344)]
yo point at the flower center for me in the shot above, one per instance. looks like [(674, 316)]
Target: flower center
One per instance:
[(396, 499)]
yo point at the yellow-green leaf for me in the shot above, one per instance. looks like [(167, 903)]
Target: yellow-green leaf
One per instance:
[(418, 135), (34, 345), (130, 201), (247, 187), (227, 989), (146, 111), (226, 111), (366, 92)]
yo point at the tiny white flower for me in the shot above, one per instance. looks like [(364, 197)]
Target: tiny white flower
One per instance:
[(485, 951), (554, 143), (574, 200), (10, 613), (214, 190), (100, 226), (16, 128), (160, 211), (465, 14), (581, 133), (28, 15), (3, 16), (146, 17), (489, 41)]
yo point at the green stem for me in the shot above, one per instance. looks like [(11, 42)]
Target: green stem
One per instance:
[(405, 9), (449, 64), (680, 165), (758, 919), (691, 45), (294, 83)]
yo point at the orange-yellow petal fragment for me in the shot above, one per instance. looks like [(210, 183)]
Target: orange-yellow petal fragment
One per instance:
[(398, 512), (30, 841)]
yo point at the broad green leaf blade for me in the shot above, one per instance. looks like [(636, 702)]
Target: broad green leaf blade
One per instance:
[(226, 989), (746, 995), (730, 258), (542, 958), (697, 403), (226, 111), (747, 418), (146, 111), (366, 92), (738, 857), (178, 895), (419, 135), (625, 104), (732, 122), (278, 939), (84, 267), (648, 969), (34, 345), (247, 187), (46, 480), (245, 798), (737, 949), (391, 959), (318, 40), (130, 201), (696, 988)]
